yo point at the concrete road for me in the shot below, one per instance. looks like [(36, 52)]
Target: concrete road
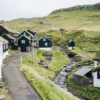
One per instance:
[(17, 84)]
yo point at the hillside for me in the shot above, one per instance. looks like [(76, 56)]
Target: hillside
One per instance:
[(77, 24), (79, 7)]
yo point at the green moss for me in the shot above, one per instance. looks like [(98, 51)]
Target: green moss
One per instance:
[(97, 68)]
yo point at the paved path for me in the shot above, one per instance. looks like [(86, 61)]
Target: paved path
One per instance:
[(17, 84)]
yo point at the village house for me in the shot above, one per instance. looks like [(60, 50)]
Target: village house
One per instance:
[(71, 45), (1, 57), (5, 47), (28, 34), (11, 41), (45, 43), (1, 52), (33, 33), (24, 43), (5, 30), (96, 76)]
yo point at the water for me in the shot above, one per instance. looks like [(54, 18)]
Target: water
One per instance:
[(61, 78)]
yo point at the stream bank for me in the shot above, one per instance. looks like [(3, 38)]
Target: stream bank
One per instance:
[(61, 77)]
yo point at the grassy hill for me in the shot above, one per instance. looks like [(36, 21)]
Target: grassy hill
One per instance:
[(81, 23)]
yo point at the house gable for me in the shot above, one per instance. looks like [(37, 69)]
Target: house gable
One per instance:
[(45, 42)]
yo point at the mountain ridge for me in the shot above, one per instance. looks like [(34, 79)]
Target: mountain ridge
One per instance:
[(79, 7)]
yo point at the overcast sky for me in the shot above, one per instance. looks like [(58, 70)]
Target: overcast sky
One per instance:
[(12, 9)]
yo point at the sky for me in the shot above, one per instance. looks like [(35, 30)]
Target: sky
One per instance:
[(13, 9)]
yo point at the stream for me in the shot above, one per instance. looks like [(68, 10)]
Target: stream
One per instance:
[(61, 78)]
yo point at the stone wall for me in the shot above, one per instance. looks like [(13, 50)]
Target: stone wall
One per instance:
[(80, 80)]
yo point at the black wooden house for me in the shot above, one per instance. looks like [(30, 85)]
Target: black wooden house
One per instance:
[(24, 43), (33, 33), (71, 44), (5, 30), (45, 43), (11, 41)]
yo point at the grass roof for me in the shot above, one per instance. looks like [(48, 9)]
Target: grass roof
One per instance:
[(9, 30), (4, 40), (97, 55), (9, 36), (96, 68)]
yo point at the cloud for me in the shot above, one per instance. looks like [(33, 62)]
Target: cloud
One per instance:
[(11, 9)]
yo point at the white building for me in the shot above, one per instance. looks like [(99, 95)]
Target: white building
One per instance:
[(5, 47), (96, 63), (3, 52), (96, 77)]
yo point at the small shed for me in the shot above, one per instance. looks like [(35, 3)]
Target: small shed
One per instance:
[(83, 75), (71, 45), (96, 76), (24, 43), (45, 43)]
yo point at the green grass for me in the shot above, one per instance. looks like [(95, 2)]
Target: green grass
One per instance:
[(42, 76), (88, 92)]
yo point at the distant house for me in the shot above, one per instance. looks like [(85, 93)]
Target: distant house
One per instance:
[(33, 33), (5, 30), (11, 41), (71, 45), (24, 43), (45, 43), (28, 34), (96, 77)]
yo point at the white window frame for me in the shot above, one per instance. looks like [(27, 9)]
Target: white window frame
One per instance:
[(23, 41), (44, 39), (46, 44)]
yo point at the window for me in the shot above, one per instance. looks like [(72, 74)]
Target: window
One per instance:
[(23, 41), (46, 44), (6, 46), (98, 74), (44, 39)]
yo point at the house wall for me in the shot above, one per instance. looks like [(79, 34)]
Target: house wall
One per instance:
[(47, 49), (71, 48), (42, 43), (96, 63), (1, 52), (96, 82)]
